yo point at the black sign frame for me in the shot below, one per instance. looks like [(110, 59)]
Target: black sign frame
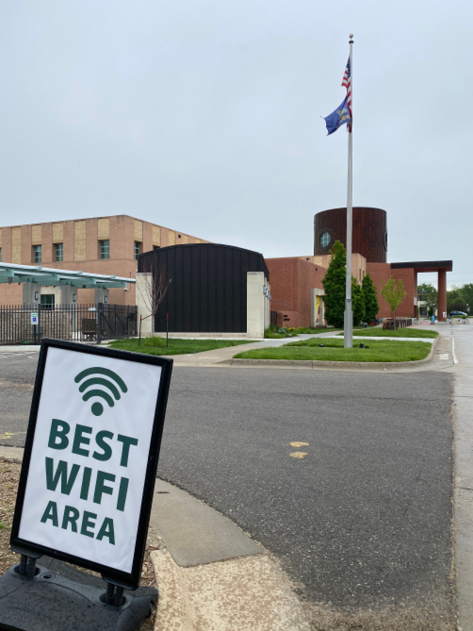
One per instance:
[(111, 575)]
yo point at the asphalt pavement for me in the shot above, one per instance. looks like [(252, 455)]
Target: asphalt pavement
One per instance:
[(361, 522), (17, 375)]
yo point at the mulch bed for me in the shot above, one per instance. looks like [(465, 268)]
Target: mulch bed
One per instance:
[(9, 478)]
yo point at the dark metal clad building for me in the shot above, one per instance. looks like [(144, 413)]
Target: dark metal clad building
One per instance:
[(208, 290), (370, 232)]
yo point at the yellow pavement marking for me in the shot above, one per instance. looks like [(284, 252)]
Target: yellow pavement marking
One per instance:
[(298, 454), (7, 435), (299, 444)]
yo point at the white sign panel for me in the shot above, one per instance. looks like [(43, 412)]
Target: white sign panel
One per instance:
[(34, 318), (90, 456)]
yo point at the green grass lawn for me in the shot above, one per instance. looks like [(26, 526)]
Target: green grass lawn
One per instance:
[(157, 345), (378, 351), (398, 333)]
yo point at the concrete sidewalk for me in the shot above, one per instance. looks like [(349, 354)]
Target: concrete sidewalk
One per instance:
[(212, 576), (456, 356), (462, 346)]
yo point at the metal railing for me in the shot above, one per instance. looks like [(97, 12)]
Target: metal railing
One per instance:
[(28, 324)]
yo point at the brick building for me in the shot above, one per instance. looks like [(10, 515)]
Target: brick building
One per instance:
[(111, 246), (297, 290), (370, 241), (296, 282), (101, 245)]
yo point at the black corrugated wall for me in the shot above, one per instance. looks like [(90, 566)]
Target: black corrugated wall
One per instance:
[(207, 293)]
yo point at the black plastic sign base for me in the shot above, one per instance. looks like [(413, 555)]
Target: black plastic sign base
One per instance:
[(61, 598)]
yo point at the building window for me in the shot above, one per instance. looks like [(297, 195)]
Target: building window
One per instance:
[(58, 252), (47, 301), (104, 249), (325, 239), (36, 254), (0, 255), (155, 247), (137, 249)]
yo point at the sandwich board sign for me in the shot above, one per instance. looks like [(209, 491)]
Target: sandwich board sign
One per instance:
[(91, 456)]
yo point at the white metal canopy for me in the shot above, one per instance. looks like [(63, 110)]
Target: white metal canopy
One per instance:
[(10, 273)]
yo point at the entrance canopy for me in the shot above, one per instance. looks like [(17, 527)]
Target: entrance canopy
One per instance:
[(10, 273), (441, 267), (425, 266)]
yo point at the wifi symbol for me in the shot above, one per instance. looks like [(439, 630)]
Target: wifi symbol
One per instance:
[(97, 407)]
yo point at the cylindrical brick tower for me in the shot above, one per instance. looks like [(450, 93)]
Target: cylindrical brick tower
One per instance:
[(370, 233)]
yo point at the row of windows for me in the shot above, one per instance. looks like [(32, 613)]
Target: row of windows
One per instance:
[(104, 251), (58, 253)]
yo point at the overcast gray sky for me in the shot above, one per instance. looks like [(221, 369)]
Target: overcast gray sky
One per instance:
[(204, 116)]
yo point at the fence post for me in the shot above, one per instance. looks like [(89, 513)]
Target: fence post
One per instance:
[(40, 326), (99, 322)]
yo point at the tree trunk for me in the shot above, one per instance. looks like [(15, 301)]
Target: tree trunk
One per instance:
[(394, 319)]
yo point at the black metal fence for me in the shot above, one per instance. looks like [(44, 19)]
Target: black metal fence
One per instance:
[(28, 324)]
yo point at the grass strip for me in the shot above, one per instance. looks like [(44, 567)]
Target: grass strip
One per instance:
[(404, 332), (157, 345), (332, 350)]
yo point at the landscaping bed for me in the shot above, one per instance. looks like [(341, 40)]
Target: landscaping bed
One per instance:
[(9, 478), (278, 333)]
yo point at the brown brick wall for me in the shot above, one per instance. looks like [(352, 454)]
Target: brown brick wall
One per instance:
[(291, 280), (406, 309), (147, 243), (47, 245), (26, 256), (80, 250), (369, 229), (6, 244), (381, 272), (68, 242), (91, 240)]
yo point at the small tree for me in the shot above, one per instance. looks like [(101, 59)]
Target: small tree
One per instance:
[(370, 295), (334, 286), (358, 302), (394, 295), (153, 293)]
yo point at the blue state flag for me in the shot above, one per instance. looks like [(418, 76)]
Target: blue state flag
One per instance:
[(341, 116)]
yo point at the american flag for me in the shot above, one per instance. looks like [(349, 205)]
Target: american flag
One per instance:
[(346, 83)]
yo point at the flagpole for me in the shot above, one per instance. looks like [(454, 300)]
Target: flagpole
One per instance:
[(348, 328)]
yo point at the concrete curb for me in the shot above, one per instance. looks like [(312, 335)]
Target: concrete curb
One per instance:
[(317, 364), (11, 454), (248, 594)]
